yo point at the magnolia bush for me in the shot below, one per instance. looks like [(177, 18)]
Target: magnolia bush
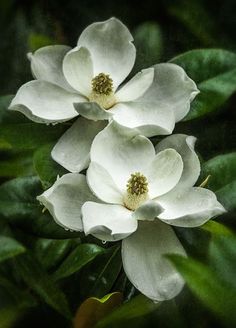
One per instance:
[(117, 202)]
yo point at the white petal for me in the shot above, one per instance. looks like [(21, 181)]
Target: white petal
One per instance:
[(44, 102), (102, 184), (107, 222), (121, 152), (72, 151), (111, 48), (78, 70), (145, 116), (184, 145), (65, 199), (148, 211), (92, 111), (137, 86), (172, 89), (164, 172), (144, 262), (189, 208), (46, 64)]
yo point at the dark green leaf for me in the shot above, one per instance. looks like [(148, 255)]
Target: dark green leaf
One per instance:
[(51, 252), (222, 171), (42, 284), (98, 277), (226, 195), (78, 258), (148, 42), (205, 284), (17, 164), (9, 247), (135, 308), (46, 168), (19, 206), (214, 71), (25, 136), (222, 254)]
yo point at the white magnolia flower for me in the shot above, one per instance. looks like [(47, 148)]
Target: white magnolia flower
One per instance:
[(87, 81), (141, 191)]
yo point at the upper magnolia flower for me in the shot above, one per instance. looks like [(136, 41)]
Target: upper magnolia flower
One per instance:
[(141, 191), (87, 80)]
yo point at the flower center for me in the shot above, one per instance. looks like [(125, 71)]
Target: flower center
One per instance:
[(137, 191), (102, 91)]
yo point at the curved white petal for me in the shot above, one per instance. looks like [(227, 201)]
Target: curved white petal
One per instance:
[(121, 152), (189, 208), (102, 184), (92, 111), (46, 65), (65, 199), (78, 70), (145, 116), (172, 88), (184, 145), (144, 262), (44, 102), (72, 150), (107, 222), (164, 172), (111, 48), (148, 211), (136, 87)]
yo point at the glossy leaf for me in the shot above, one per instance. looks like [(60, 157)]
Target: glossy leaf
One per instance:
[(18, 205), (214, 71), (78, 258), (222, 171), (98, 277), (216, 228), (208, 287), (42, 284), (135, 308), (94, 309), (46, 168), (9, 247)]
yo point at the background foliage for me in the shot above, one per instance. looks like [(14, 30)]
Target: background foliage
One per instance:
[(46, 273)]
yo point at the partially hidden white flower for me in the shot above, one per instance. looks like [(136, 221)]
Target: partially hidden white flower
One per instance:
[(87, 81), (138, 193)]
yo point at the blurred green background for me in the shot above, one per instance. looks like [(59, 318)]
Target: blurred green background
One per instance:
[(162, 29)]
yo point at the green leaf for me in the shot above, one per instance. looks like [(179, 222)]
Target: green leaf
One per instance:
[(51, 252), (9, 247), (222, 254), (19, 206), (209, 288), (98, 277), (216, 228), (25, 136), (46, 168), (148, 42), (77, 259), (10, 315), (16, 164), (38, 40), (7, 116), (135, 308), (94, 309), (42, 284), (214, 71), (221, 170), (226, 196)]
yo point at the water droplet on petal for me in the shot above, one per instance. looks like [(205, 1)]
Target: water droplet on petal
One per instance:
[(104, 242)]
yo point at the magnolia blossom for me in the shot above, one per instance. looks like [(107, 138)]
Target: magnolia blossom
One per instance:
[(87, 80), (137, 193)]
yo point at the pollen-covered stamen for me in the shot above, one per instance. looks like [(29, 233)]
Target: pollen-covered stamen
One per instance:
[(102, 91), (102, 84), (137, 191)]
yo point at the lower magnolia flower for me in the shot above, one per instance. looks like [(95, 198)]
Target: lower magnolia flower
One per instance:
[(87, 80), (138, 193)]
